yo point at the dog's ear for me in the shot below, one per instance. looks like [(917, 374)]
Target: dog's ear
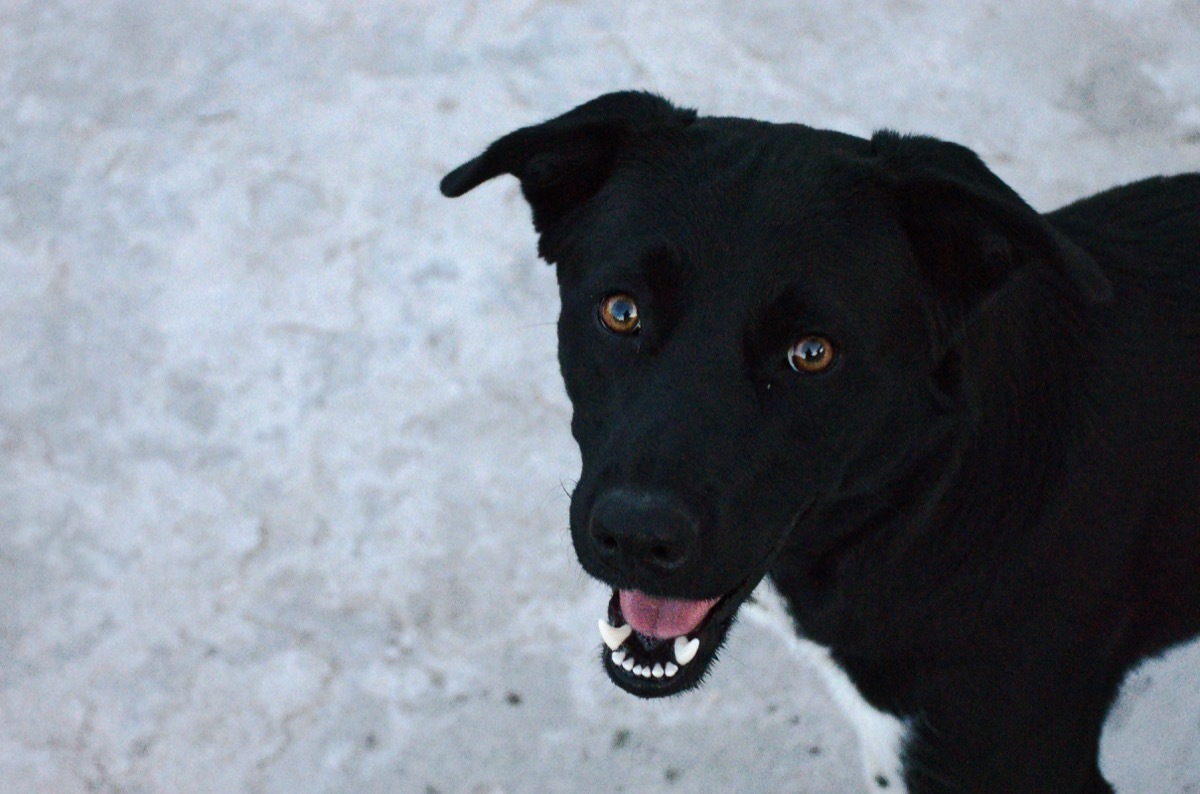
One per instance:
[(563, 162), (968, 229)]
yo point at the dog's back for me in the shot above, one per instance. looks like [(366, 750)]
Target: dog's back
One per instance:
[(1154, 222), (1146, 343)]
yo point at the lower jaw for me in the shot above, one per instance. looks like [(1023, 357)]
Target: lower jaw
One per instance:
[(651, 667)]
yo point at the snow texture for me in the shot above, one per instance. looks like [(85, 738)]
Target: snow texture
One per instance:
[(284, 452)]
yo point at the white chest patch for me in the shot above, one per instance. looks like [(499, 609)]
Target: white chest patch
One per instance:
[(881, 736)]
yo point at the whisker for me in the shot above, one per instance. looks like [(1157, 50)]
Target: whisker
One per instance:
[(563, 484)]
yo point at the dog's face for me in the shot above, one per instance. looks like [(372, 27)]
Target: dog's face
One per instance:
[(757, 328), (731, 346)]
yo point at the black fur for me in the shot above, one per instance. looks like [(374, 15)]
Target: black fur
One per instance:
[(988, 508)]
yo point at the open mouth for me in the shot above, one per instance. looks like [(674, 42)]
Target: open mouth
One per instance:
[(658, 646)]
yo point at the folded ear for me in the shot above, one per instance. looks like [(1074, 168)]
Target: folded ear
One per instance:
[(563, 162), (969, 230)]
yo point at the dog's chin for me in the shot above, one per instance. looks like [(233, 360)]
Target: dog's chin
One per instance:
[(652, 667)]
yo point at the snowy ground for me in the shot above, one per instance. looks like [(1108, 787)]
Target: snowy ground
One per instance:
[(282, 439)]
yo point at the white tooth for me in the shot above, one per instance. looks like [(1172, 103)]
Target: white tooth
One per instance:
[(685, 649), (657, 672), (637, 669), (627, 664), (671, 669), (645, 672), (618, 657), (614, 637)]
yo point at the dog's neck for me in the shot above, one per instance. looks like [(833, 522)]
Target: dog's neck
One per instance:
[(1025, 363), (1007, 449)]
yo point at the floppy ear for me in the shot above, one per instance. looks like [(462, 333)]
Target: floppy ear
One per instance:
[(969, 230), (563, 162)]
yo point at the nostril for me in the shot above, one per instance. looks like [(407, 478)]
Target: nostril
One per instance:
[(661, 554), (605, 539)]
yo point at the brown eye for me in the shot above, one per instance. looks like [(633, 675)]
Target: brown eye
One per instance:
[(811, 354), (620, 314)]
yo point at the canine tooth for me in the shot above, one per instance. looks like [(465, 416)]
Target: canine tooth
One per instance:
[(613, 637), (657, 672), (671, 669), (685, 649), (627, 664), (618, 657)]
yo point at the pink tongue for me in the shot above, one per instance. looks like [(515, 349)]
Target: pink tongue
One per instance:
[(662, 617)]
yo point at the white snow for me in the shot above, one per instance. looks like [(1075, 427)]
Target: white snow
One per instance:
[(283, 446)]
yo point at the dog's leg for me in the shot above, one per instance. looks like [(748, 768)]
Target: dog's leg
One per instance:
[(880, 735)]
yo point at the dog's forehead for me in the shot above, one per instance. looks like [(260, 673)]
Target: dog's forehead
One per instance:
[(747, 173), (777, 203)]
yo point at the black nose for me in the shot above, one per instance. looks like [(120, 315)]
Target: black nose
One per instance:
[(640, 532)]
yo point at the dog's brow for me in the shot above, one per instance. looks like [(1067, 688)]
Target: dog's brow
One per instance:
[(778, 313), (663, 269), (660, 268)]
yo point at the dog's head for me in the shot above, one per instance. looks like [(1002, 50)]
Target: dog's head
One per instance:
[(759, 325)]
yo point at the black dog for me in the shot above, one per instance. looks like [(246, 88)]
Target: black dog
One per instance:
[(961, 438)]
